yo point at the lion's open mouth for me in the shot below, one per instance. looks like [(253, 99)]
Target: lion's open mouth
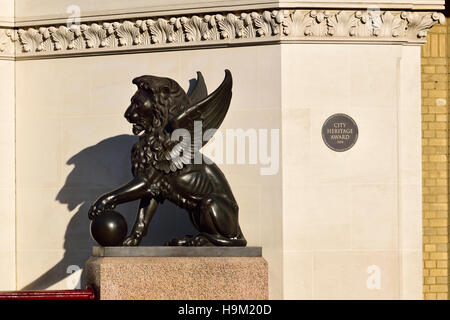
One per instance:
[(137, 129)]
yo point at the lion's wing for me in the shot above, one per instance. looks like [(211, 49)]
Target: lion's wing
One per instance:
[(209, 113), (200, 91)]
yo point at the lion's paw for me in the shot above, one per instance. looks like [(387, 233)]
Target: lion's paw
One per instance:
[(190, 241), (131, 241)]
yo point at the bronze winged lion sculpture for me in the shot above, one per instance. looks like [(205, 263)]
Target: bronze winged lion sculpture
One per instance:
[(163, 168)]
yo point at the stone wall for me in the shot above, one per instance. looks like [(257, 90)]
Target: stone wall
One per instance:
[(7, 151)]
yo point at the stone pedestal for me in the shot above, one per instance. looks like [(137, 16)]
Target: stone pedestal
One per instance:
[(166, 273)]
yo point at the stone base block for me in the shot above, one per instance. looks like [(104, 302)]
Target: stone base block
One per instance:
[(178, 277)]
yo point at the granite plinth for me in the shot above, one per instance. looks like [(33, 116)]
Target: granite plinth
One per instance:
[(177, 251), (123, 273)]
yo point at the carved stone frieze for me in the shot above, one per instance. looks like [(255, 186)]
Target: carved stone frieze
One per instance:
[(6, 42), (286, 25)]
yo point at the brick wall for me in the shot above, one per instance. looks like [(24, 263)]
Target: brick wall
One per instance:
[(435, 151)]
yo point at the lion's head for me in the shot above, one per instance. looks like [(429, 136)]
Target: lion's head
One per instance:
[(161, 106), (156, 100)]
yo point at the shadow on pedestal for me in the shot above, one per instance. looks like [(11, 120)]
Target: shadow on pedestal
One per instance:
[(96, 170)]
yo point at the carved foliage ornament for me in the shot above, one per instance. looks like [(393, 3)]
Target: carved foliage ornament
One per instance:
[(6, 41), (303, 24)]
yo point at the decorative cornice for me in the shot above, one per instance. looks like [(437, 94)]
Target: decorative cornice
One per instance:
[(216, 29), (6, 42)]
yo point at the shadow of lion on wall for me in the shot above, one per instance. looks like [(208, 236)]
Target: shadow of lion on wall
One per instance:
[(95, 170)]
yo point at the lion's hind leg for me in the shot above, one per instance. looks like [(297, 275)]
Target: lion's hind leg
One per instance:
[(216, 217)]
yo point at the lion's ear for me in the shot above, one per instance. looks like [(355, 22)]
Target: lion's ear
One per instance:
[(165, 91)]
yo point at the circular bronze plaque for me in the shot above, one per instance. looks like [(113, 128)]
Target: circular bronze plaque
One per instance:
[(340, 132)]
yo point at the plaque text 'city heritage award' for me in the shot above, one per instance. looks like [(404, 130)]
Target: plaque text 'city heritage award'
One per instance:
[(340, 132)]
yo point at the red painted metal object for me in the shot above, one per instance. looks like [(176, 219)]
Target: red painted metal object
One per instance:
[(87, 294)]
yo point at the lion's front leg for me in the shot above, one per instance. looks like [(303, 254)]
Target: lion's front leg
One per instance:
[(133, 190), (147, 209), (103, 204)]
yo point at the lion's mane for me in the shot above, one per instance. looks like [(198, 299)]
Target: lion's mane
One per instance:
[(153, 148)]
